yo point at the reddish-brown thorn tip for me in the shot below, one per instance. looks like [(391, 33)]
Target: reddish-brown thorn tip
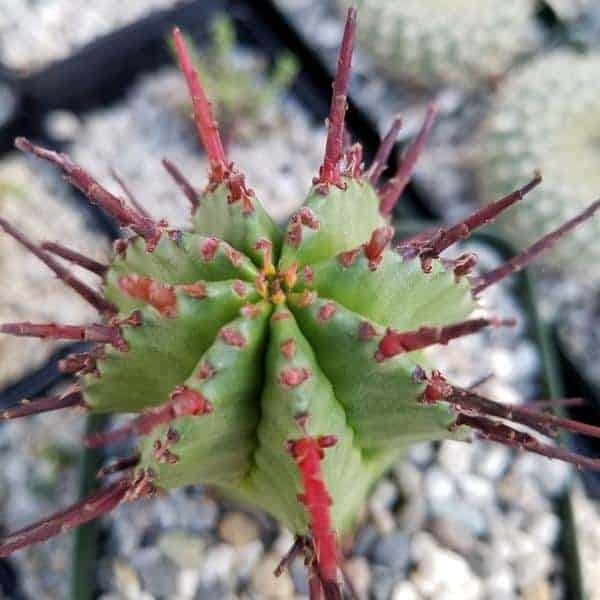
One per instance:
[(119, 465), (307, 453), (82, 363), (90, 333), (83, 181), (392, 190), (394, 343), (183, 402), (75, 257), (503, 434), (128, 193), (184, 185), (296, 549), (521, 260), (93, 506), (86, 292), (329, 173), (203, 117), (383, 152), (35, 407)]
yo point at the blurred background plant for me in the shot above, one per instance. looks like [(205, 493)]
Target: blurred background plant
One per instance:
[(243, 93)]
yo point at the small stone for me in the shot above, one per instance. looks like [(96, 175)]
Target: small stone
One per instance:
[(421, 454), (62, 125), (187, 583), (383, 579), (126, 580), (455, 457), (538, 590), (217, 564), (358, 572), (500, 584), (184, 549), (477, 490), (238, 529), (266, 584), (544, 527), (492, 461), (365, 541), (439, 487), (158, 574), (405, 590), (247, 557), (393, 551)]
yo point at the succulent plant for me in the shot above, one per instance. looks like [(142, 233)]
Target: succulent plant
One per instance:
[(282, 368), (546, 116), (239, 94), (433, 42)]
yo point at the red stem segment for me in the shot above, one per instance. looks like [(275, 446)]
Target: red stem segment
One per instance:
[(96, 194), (42, 405), (307, 452), (391, 192), (75, 257), (184, 185), (394, 343), (329, 173), (86, 292), (383, 152), (203, 116), (91, 333), (88, 509), (521, 260), (183, 402)]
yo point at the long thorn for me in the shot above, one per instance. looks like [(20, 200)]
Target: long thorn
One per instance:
[(383, 152), (184, 185), (88, 509), (183, 402), (85, 333), (444, 238), (329, 173), (543, 422), (203, 116), (128, 193), (96, 194), (521, 260), (75, 257), (391, 192), (394, 343), (503, 434), (86, 292), (42, 405)]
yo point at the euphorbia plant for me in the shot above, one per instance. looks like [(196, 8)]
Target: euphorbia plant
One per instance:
[(282, 368)]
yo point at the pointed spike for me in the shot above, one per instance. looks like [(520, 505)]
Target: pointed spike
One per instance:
[(85, 333), (81, 363), (86, 292), (375, 247), (545, 423), (503, 434), (383, 153), (88, 509), (391, 192), (75, 257), (128, 193), (394, 343), (444, 238), (203, 116), (119, 465), (329, 173), (184, 185), (29, 408), (159, 295), (522, 259), (288, 558), (183, 402), (95, 193), (307, 454)]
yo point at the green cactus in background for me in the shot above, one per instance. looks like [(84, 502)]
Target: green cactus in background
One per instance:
[(547, 117), (239, 94), (434, 42), (282, 368)]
